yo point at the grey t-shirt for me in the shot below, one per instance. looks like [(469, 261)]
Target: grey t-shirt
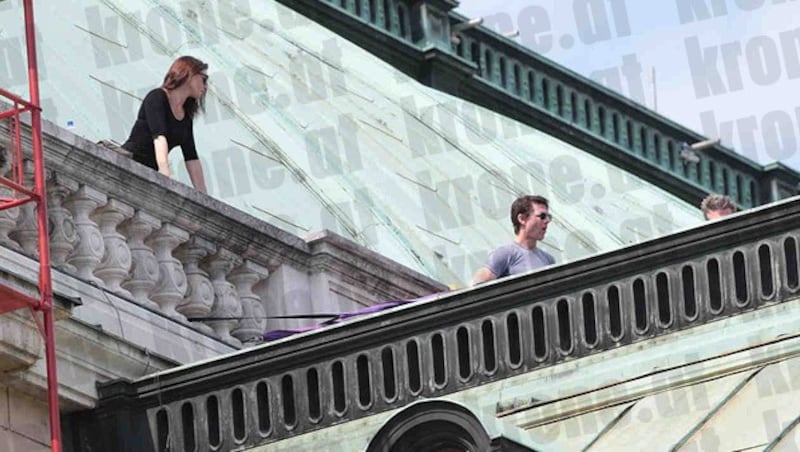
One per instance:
[(514, 258)]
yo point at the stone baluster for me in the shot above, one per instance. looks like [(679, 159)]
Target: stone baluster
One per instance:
[(253, 323), (144, 265), (63, 235), (200, 294), (116, 263), (226, 303), (90, 247), (171, 286), (26, 233), (8, 218)]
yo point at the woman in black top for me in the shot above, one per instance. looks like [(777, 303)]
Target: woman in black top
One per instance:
[(165, 120)]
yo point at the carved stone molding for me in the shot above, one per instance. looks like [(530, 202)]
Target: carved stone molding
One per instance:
[(89, 236), (116, 263)]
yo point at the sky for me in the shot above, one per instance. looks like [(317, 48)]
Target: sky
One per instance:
[(728, 69)]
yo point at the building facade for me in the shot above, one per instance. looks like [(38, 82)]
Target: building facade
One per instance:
[(409, 139)]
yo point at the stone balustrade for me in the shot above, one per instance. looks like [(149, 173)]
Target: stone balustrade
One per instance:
[(160, 244)]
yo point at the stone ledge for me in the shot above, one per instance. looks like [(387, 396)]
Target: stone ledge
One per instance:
[(366, 269), (122, 319), (20, 342)]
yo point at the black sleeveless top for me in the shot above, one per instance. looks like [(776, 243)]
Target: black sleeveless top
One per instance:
[(155, 118)]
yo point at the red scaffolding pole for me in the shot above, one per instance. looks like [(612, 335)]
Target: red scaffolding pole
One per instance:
[(11, 299)]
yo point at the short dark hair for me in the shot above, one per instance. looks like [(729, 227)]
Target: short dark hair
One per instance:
[(716, 202), (522, 206)]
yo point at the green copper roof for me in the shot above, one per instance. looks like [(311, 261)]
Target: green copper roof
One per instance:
[(307, 131)]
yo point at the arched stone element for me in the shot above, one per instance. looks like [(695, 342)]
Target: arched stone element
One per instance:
[(430, 426)]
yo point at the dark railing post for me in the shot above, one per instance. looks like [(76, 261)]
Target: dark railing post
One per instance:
[(430, 23), (431, 33), (778, 182)]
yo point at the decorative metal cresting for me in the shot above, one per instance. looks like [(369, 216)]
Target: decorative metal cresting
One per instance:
[(463, 340), (22, 186)]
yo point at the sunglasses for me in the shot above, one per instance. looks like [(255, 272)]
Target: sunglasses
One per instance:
[(543, 216)]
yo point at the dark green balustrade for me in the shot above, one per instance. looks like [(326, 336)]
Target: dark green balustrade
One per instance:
[(547, 96), (622, 130), (391, 16)]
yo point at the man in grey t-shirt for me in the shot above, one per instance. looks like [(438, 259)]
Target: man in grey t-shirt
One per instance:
[(530, 218)]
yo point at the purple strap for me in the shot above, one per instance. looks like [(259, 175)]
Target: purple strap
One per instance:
[(344, 316)]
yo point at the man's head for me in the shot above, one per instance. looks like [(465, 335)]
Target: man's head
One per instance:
[(530, 216), (717, 206)]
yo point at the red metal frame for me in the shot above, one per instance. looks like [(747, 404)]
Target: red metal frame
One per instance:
[(11, 299)]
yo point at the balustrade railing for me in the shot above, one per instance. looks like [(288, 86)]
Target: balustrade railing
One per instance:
[(474, 337), (497, 72), (153, 241), (392, 16), (127, 250), (619, 122)]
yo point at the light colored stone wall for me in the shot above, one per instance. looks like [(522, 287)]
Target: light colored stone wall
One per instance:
[(23, 422)]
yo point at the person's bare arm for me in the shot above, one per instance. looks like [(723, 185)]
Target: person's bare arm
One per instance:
[(483, 275), (162, 151), (195, 170)]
